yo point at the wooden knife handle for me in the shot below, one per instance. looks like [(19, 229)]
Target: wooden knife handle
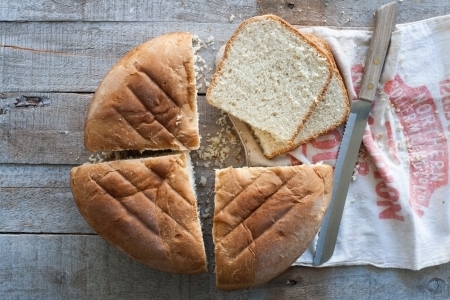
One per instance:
[(384, 24)]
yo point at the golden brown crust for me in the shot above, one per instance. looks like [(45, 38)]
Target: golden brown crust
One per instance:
[(144, 207), (288, 26), (264, 219), (147, 100)]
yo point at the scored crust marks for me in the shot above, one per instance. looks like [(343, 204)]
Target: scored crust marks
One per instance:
[(147, 100), (259, 212), (128, 208), (247, 204), (156, 120)]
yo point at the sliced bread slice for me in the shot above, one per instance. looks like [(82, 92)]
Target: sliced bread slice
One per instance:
[(331, 112), (264, 219), (271, 76)]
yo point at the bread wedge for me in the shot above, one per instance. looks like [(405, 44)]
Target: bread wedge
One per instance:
[(271, 77), (331, 112), (264, 219), (146, 208), (147, 100)]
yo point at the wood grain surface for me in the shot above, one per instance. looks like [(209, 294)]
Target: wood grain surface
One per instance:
[(53, 54)]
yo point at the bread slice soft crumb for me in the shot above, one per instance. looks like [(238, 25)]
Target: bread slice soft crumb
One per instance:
[(328, 114), (271, 76), (331, 112)]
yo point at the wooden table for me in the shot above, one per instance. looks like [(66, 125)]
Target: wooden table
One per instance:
[(53, 54)]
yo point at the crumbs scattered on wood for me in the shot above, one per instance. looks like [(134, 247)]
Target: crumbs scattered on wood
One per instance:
[(202, 180), (31, 101)]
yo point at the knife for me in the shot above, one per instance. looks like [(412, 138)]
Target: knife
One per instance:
[(354, 131)]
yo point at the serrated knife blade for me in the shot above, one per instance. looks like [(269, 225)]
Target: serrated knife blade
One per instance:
[(354, 131)]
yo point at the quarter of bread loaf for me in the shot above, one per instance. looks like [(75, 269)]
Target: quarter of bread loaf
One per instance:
[(146, 208), (147, 100), (264, 219), (331, 112), (271, 76)]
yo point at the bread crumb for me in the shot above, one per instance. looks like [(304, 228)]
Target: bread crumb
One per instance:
[(220, 146), (200, 66), (202, 181), (210, 41), (232, 18), (99, 157)]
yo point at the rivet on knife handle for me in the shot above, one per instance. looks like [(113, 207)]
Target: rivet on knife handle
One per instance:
[(384, 23), (354, 131)]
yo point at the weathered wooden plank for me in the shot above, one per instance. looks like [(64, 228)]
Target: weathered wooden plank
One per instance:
[(86, 267), (76, 267), (127, 10), (74, 56), (35, 199), (301, 12), (349, 12), (51, 131), (49, 210), (32, 176)]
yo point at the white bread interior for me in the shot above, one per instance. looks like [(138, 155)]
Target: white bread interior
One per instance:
[(270, 77)]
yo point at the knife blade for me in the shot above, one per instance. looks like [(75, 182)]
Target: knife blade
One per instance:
[(354, 131)]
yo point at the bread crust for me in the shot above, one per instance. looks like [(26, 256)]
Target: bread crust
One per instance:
[(144, 207), (264, 219), (288, 26), (147, 100)]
